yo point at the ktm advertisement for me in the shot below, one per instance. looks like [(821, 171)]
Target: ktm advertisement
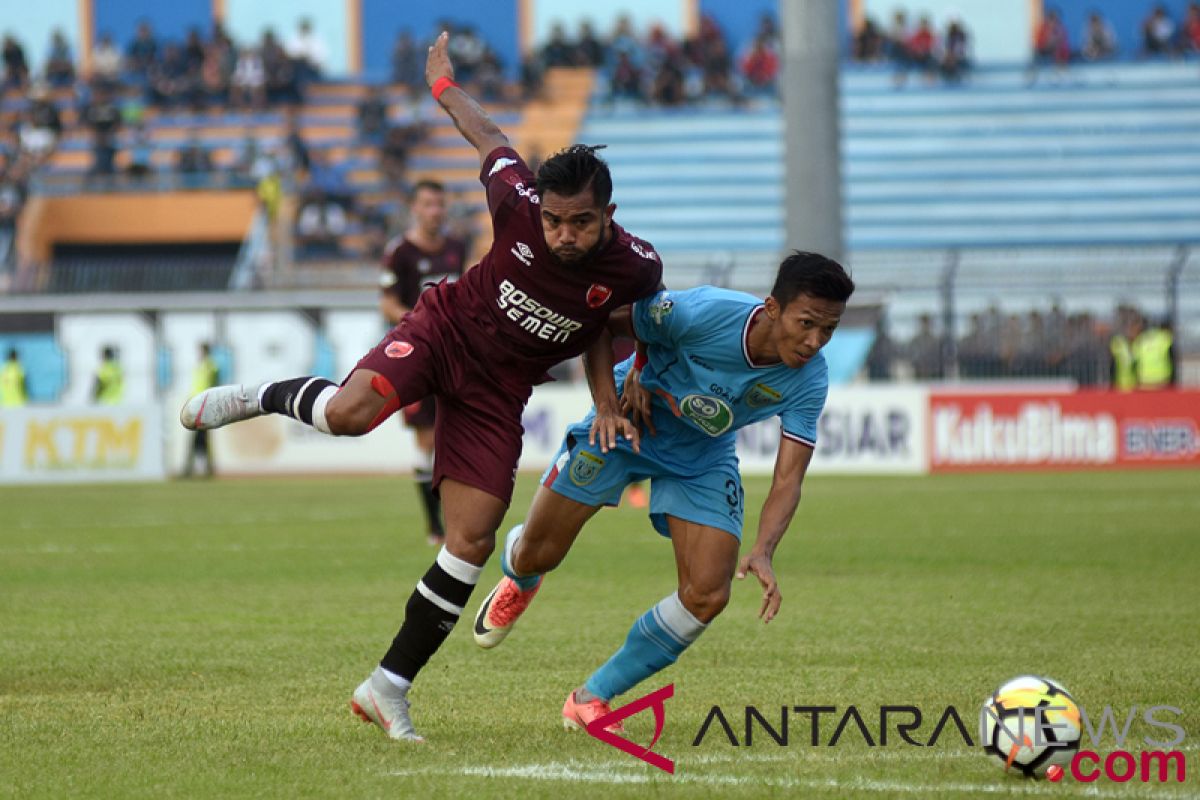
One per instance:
[(1080, 430)]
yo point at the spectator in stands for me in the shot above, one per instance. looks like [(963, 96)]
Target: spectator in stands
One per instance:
[(169, 79), (1086, 354), (216, 71), (956, 52), (882, 352), (922, 48), (329, 180), (40, 125), (626, 81), (1123, 371), (372, 117), (141, 154), (532, 73), (282, 83), (760, 67), (393, 155), (717, 69), (13, 191), (489, 77), (668, 88), (869, 42), (558, 52), (408, 64), (925, 351), (248, 84), (193, 159), (1158, 33), (60, 63), (193, 49), (307, 52), (142, 52), (467, 49), (103, 117), (106, 64), (1191, 29), (16, 67), (1099, 41), (977, 352), (1051, 46), (624, 41), (897, 39), (205, 375), (296, 156), (590, 51)]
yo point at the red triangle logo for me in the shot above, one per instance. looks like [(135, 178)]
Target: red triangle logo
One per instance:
[(596, 728)]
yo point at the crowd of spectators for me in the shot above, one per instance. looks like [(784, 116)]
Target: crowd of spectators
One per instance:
[(1038, 344), (917, 47), (661, 70)]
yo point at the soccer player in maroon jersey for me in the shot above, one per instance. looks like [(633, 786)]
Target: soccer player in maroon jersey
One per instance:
[(421, 257), (558, 266)]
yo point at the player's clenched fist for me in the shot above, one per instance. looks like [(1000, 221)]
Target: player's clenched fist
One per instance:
[(437, 63)]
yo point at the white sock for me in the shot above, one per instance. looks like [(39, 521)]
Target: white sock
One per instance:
[(403, 684), (318, 410)]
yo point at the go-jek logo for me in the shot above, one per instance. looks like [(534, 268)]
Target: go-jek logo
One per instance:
[(598, 728)]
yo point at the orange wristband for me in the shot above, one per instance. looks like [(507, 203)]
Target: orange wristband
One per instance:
[(440, 85)]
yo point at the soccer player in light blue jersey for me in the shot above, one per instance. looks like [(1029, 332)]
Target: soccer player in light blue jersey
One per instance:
[(710, 361)]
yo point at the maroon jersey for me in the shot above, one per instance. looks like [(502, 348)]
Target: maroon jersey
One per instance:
[(520, 311), (416, 270)]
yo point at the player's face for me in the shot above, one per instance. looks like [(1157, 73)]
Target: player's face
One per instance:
[(429, 210), (801, 329), (574, 226)]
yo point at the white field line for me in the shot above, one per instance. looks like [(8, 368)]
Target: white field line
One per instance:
[(578, 772)]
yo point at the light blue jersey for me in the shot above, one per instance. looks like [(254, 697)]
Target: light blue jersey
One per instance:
[(704, 388)]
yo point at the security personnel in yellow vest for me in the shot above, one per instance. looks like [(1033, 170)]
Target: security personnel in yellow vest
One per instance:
[(1124, 370), (205, 376), (1154, 358), (109, 388), (13, 388)]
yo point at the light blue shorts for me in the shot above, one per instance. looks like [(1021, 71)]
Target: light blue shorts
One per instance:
[(708, 493)]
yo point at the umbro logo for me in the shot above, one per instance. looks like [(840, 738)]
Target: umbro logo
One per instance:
[(500, 164), (524, 253)]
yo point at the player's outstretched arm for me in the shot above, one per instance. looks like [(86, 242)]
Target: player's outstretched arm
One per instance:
[(791, 464), (469, 117)]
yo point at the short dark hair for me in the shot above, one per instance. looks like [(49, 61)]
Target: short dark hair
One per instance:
[(570, 171), (811, 274), (12, 354), (427, 183), (109, 352)]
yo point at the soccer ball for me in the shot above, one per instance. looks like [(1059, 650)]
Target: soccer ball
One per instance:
[(1022, 739)]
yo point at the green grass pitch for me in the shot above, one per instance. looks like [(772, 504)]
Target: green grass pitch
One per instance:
[(202, 639)]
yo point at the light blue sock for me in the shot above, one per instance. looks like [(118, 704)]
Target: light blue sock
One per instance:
[(655, 641), (526, 582)]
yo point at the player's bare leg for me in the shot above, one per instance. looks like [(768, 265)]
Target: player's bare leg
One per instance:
[(530, 550), (705, 559), (472, 516), (354, 409)]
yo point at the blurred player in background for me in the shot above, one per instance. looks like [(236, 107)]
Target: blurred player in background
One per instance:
[(716, 360), (14, 390), (109, 386), (557, 267), (205, 375), (422, 256)]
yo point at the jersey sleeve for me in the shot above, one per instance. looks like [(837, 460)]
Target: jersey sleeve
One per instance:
[(662, 318), (509, 183), (799, 419)]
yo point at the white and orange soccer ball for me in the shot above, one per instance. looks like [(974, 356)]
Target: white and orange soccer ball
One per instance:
[(1029, 725)]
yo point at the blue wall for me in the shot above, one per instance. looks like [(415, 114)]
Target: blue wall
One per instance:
[(1125, 17), (495, 20), (171, 20)]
